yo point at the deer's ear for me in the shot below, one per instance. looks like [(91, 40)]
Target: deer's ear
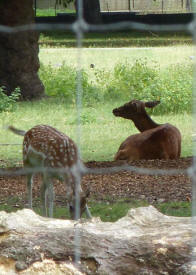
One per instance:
[(136, 106), (139, 105), (152, 104)]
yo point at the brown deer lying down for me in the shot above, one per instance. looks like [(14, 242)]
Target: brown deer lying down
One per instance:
[(45, 147), (156, 141)]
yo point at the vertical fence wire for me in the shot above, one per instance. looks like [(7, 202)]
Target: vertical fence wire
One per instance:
[(193, 269), (79, 27), (79, 95)]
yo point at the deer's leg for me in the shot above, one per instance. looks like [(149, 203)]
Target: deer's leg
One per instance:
[(50, 198), (70, 200), (87, 211), (78, 199), (29, 190), (43, 199), (69, 192), (44, 190), (47, 195)]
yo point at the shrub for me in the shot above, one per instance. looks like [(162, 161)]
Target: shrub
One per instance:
[(7, 103), (173, 85), (177, 89), (61, 82), (129, 81)]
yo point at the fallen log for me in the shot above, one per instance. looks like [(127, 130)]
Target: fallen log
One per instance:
[(143, 242)]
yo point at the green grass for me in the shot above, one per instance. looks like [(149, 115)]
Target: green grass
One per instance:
[(51, 12), (106, 59), (116, 39), (107, 211), (102, 133), (179, 209)]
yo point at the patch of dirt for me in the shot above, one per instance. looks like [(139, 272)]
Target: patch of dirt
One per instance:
[(127, 185)]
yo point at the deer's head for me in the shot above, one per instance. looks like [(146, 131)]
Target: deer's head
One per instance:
[(82, 206), (134, 108)]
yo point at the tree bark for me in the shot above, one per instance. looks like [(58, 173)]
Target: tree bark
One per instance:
[(143, 242), (19, 62)]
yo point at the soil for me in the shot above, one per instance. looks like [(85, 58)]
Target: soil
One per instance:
[(118, 185)]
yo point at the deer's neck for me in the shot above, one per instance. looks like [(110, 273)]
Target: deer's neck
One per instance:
[(144, 122)]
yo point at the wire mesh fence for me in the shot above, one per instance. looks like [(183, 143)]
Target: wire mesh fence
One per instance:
[(79, 27)]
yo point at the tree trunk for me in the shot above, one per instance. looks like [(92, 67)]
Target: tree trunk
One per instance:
[(19, 62), (188, 5), (143, 242), (91, 11)]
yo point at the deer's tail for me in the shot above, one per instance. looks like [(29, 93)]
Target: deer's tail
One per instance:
[(16, 131)]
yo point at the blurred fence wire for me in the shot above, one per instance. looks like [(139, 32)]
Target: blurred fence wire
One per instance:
[(79, 27)]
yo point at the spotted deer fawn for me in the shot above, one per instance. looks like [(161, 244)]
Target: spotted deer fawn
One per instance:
[(156, 141), (46, 148)]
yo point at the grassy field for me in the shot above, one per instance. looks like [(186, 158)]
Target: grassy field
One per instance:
[(107, 211), (115, 39), (51, 12), (102, 133), (106, 59)]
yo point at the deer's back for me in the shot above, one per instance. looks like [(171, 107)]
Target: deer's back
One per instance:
[(53, 147), (162, 142)]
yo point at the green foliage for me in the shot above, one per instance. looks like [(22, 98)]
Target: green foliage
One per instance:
[(62, 82), (7, 103), (177, 86), (129, 81), (172, 86), (59, 81)]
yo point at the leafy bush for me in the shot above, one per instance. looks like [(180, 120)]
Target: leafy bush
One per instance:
[(129, 81), (172, 86), (62, 82), (7, 103), (177, 89)]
